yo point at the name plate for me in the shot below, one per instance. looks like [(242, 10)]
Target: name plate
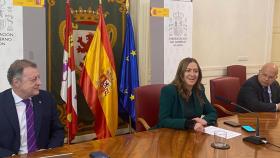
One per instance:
[(29, 3), (160, 12)]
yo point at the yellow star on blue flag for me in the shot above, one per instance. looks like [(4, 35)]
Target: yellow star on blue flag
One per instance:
[(131, 97), (133, 53)]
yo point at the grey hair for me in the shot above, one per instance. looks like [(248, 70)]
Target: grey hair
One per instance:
[(16, 68)]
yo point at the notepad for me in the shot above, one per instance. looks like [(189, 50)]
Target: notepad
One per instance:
[(230, 134)]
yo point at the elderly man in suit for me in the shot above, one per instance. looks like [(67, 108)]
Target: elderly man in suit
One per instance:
[(261, 93), (28, 116)]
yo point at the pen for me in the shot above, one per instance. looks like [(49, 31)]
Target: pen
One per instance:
[(57, 155)]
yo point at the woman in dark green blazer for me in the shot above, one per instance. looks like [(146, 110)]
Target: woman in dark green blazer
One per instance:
[(183, 104)]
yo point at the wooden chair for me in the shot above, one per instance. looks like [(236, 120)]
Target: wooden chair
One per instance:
[(237, 71), (226, 87), (147, 106)]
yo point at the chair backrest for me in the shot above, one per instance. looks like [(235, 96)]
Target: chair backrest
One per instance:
[(237, 71), (147, 104), (226, 87)]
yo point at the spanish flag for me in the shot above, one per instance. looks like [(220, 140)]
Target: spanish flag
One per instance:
[(99, 83)]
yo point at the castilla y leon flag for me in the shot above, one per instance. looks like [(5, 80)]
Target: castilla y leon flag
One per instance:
[(99, 83), (68, 83)]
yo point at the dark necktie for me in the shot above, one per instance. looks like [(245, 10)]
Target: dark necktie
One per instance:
[(266, 95), (31, 138)]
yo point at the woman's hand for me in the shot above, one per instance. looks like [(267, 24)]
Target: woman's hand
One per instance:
[(200, 120), (198, 127)]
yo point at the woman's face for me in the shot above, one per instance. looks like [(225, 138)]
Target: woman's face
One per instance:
[(191, 75)]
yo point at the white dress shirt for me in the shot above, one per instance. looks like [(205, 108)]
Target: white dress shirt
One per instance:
[(20, 106), (270, 98), (269, 94)]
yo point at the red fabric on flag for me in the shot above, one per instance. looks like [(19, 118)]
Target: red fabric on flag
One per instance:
[(68, 84)]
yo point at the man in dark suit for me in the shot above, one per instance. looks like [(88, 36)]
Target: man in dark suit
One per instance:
[(261, 93), (28, 116)]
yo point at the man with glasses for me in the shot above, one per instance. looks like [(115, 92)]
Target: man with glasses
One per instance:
[(28, 116), (261, 93)]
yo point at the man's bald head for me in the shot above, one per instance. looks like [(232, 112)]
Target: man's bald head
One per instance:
[(268, 74), (270, 67)]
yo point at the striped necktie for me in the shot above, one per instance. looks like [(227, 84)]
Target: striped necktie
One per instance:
[(31, 138)]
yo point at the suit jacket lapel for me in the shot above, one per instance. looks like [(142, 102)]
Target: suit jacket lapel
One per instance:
[(274, 92), (11, 112), (182, 104), (197, 106), (37, 114), (260, 90)]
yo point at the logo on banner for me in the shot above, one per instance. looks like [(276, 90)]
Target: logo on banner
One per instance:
[(7, 33), (2, 17), (178, 29)]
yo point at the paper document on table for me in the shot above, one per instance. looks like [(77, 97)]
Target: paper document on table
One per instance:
[(230, 134)]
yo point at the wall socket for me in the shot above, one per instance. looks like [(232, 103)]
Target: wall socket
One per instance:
[(242, 58)]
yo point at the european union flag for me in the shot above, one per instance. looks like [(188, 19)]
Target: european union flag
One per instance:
[(128, 74)]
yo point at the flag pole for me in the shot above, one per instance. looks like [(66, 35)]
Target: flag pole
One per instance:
[(68, 130), (68, 137), (129, 119), (127, 5), (129, 125)]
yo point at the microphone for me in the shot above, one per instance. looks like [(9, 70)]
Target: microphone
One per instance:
[(98, 154), (257, 139)]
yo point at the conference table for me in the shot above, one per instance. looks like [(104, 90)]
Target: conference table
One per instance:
[(171, 143)]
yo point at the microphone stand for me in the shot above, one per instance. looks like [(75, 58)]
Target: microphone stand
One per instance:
[(257, 139)]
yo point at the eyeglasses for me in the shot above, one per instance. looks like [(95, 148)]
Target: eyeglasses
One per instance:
[(30, 79), (267, 76), (34, 79)]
